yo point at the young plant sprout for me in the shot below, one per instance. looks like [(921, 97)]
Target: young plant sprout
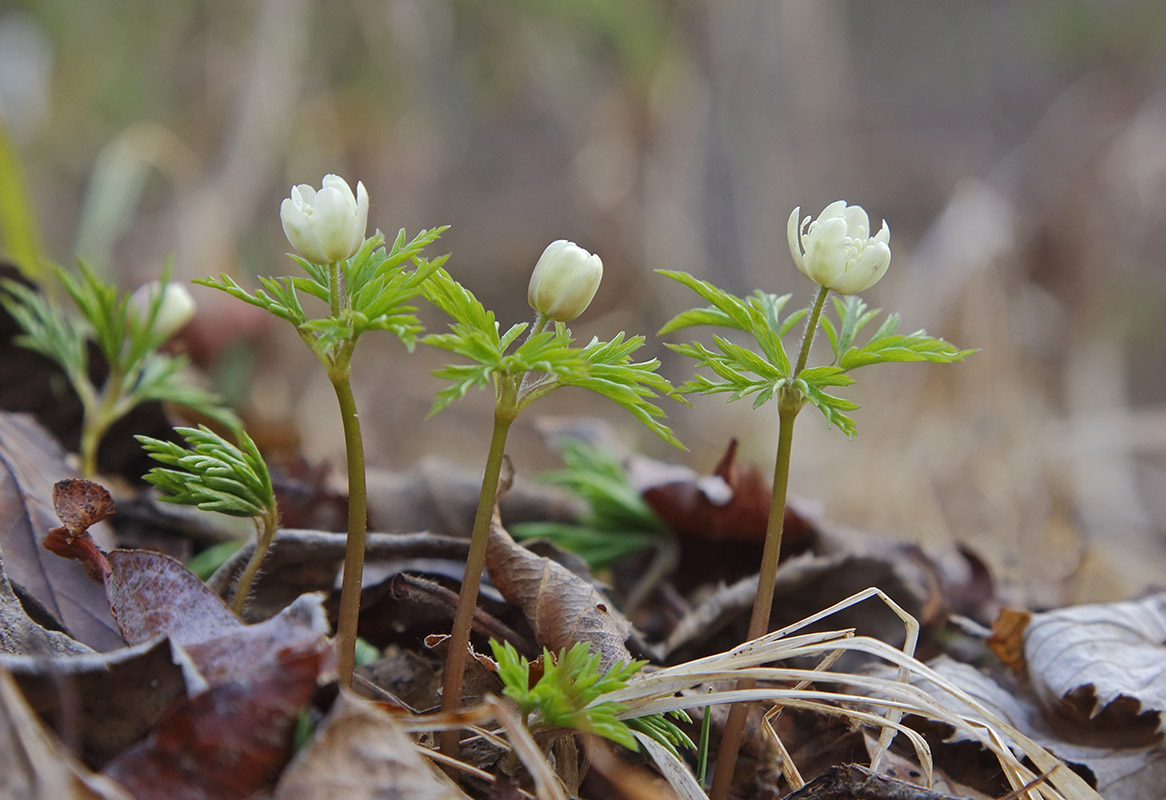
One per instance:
[(837, 252), (216, 475), (366, 287), (566, 694), (128, 331), (563, 283)]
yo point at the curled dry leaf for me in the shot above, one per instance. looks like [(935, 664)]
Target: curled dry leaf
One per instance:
[(1102, 665), (359, 753), (79, 504), (561, 607), (30, 461), (34, 765), (226, 743), (1007, 639)]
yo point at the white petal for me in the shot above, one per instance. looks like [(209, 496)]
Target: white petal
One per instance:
[(795, 244), (835, 209), (340, 185), (884, 234), (825, 258), (332, 222), (298, 229), (857, 222), (867, 271)]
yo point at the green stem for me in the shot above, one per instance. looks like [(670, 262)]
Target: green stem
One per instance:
[(811, 330), (759, 622), (99, 414), (455, 661), (264, 534), (789, 404), (357, 525)]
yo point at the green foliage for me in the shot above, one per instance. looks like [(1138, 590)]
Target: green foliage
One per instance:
[(211, 473), (568, 696), (378, 288), (544, 361), (742, 372), (126, 339), (618, 522)]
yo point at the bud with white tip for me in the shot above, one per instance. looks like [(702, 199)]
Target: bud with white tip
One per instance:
[(175, 309), (564, 281), (328, 224), (837, 251)]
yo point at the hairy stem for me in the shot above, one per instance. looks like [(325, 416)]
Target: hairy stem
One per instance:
[(811, 330), (357, 525), (264, 534), (99, 414), (455, 662)]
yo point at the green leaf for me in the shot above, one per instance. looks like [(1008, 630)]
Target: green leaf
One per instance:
[(211, 473)]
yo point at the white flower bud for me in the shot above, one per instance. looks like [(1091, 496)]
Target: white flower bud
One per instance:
[(174, 311), (564, 281), (326, 225), (837, 251)]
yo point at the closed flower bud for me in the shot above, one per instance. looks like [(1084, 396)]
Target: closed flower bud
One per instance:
[(326, 225), (837, 251), (564, 281), (174, 311)]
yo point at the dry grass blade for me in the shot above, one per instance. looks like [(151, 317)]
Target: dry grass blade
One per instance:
[(657, 692), (546, 783)]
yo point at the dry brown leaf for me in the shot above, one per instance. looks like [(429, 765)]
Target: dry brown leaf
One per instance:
[(21, 635), (30, 462), (33, 765), (561, 607), (359, 753), (1102, 665), (1120, 773), (228, 742), (152, 595), (104, 702)]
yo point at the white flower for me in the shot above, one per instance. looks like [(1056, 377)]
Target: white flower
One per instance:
[(326, 225), (837, 251), (564, 281), (174, 311)]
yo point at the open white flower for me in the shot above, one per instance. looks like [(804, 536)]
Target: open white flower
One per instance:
[(564, 281), (326, 225), (837, 251), (175, 309)]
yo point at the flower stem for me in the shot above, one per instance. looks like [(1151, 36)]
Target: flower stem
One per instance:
[(790, 402), (100, 412), (357, 525), (811, 330), (264, 534), (335, 292), (455, 662)]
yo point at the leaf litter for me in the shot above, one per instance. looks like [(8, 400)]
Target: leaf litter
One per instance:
[(200, 704)]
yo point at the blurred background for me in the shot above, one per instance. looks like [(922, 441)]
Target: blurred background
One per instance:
[(1017, 149)]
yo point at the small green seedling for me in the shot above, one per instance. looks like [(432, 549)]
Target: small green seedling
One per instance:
[(213, 474), (366, 288), (128, 331), (569, 696), (837, 252), (562, 285)]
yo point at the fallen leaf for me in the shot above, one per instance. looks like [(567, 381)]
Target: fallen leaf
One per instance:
[(359, 753), (30, 462), (561, 607), (102, 703), (152, 595), (1103, 665), (34, 766), (21, 635), (226, 743), (1117, 773)]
